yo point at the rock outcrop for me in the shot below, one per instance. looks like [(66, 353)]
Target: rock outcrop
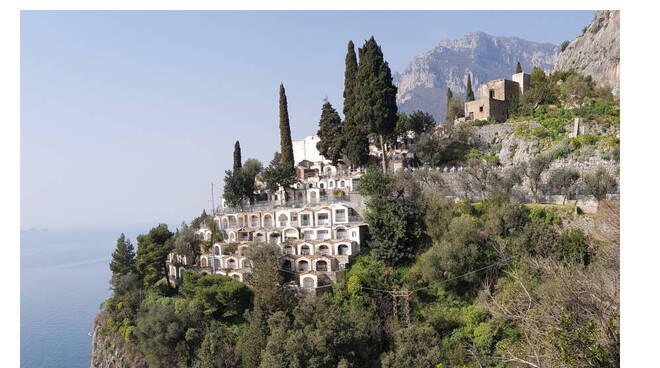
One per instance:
[(596, 51), (423, 85)]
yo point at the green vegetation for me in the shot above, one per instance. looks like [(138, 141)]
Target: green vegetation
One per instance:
[(286, 147), (330, 142), (469, 95), (354, 134)]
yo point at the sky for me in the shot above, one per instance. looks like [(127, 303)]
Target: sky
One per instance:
[(128, 117)]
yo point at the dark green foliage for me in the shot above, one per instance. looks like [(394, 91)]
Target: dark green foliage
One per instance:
[(200, 220), (217, 349), (237, 156), (220, 297), (537, 166), (438, 216), (418, 346), (506, 217), (420, 122), (540, 240), (152, 252), (252, 341), (375, 103), (266, 280), (462, 248), (187, 243), (330, 142), (395, 218), (253, 167), (564, 45), (542, 90), (286, 147), (354, 135), (449, 97), (575, 247), (469, 95), (123, 259), (239, 187), (435, 151), (519, 68), (455, 109), (599, 184), (278, 175), (581, 344)]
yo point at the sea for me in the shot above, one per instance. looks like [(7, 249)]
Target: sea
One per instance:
[(64, 278)]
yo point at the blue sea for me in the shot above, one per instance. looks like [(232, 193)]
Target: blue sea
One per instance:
[(64, 279)]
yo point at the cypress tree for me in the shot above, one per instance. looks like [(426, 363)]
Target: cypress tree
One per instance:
[(237, 156), (449, 97), (518, 68), (354, 136), (376, 97), (469, 96), (330, 143), (285, 131)]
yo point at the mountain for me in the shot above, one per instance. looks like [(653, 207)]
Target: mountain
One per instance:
[(423, 85), (596, 51)]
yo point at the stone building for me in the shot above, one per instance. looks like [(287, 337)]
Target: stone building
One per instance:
[(495, 96)]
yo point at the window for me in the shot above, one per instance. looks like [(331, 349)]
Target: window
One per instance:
[(491, 94), (323, 219), (304, 250), (481, 109)]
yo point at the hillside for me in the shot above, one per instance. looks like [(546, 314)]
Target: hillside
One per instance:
[(423, 85), (596, 51)]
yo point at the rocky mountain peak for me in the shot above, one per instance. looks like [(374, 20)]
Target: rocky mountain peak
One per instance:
[(596, 51)]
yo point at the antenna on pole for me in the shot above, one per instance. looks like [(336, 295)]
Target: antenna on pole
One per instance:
[(212, 228)]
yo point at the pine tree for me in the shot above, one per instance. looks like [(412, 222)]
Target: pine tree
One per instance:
[(330, 144), (376, 97), (285, 131), (237, 156), (354, 136), (449, 97), (518, 68), (123, 258), (469, 96)]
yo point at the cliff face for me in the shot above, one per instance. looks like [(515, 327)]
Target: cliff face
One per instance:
[(596, 51), (423, 85), (109, 349)]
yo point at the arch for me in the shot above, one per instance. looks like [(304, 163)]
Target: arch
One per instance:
[(233, 222), (341, 233), (268, 221), (288, 265), (291, 234), (305, 249), (289, 249), (225, 223), (181, 270), (282, 220), (204, 261), (232, 236), (232, 264), (260, 236), (313, 197), (343, 249), (342, 184), (244, 263), (324, 250), (254, 220), (218, 263), (236, 276), (322, 265), (274, 237), (303, 265), (322, 185), (217, 250)]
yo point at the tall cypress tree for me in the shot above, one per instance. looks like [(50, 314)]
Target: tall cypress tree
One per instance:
[(330, 143), (518, 68), (285, 131), (376, 97), (355, 140), (237, 156), (469, 96), (449, 97)]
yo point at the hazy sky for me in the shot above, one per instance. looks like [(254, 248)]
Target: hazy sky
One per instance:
[(127, 117)]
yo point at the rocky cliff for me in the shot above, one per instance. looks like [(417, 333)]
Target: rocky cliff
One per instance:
[(596, 51), (423, 85)]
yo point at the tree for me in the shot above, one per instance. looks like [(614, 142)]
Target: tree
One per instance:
[(152, 252), (237, 156), (420, 122), (395, 218), (265, 279), (239, 187), (200, 220), (518, 68), (564, 181), (123, 259), (376, 98), (285, 131), (542, 90), (455, 109), (330, 142), (537, 166), (356, 142), (599, 184), (187, 243), (469, 95), (253, 167), (449, 97), (278, 175)]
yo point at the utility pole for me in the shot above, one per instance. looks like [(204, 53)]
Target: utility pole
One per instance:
[(212, 229)]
